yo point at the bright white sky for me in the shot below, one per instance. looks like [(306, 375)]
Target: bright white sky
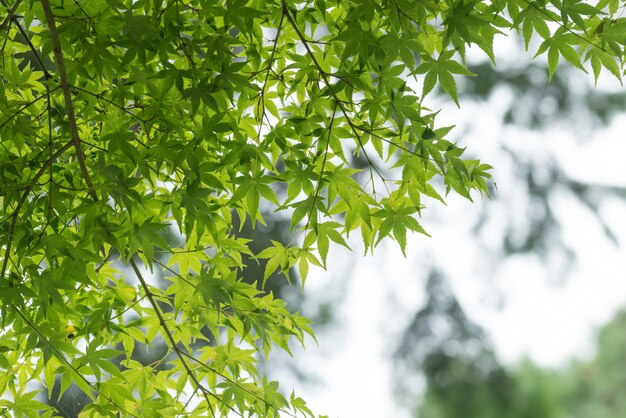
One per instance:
[(547, 322)]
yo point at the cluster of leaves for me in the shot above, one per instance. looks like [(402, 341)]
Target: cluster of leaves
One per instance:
[(576, 30), (125, 120)]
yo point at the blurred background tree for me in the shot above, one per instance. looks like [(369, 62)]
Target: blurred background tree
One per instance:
[(445, 363), (459, 385), (462, 376)]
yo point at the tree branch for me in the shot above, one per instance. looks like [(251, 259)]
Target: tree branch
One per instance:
[(269, 66), (22, 31), (168, 334), (65, 88), (318, 187)]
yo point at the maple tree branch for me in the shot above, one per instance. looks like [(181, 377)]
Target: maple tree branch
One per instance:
[(24, 107), (168, 334), (65, 88), (269, 63), (11, 18), (321, 176)]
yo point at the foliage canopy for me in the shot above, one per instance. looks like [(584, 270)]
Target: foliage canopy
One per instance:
[(133, 132)]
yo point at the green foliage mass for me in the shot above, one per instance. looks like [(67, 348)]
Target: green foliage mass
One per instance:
[(128, 125)]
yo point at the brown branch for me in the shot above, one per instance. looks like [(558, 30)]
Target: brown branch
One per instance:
[(76, 143), (65, 88), (23, 32)]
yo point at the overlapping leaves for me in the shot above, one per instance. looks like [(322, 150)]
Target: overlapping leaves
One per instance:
[(187, 114)]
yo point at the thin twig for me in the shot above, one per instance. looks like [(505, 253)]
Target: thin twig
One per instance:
[(62, 358), (234, 382), (552, 19), (16, 211), (269, 63), (25, 106), (168, 334), (27, 39), (11, 13), (320, 179), (326, 81)]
